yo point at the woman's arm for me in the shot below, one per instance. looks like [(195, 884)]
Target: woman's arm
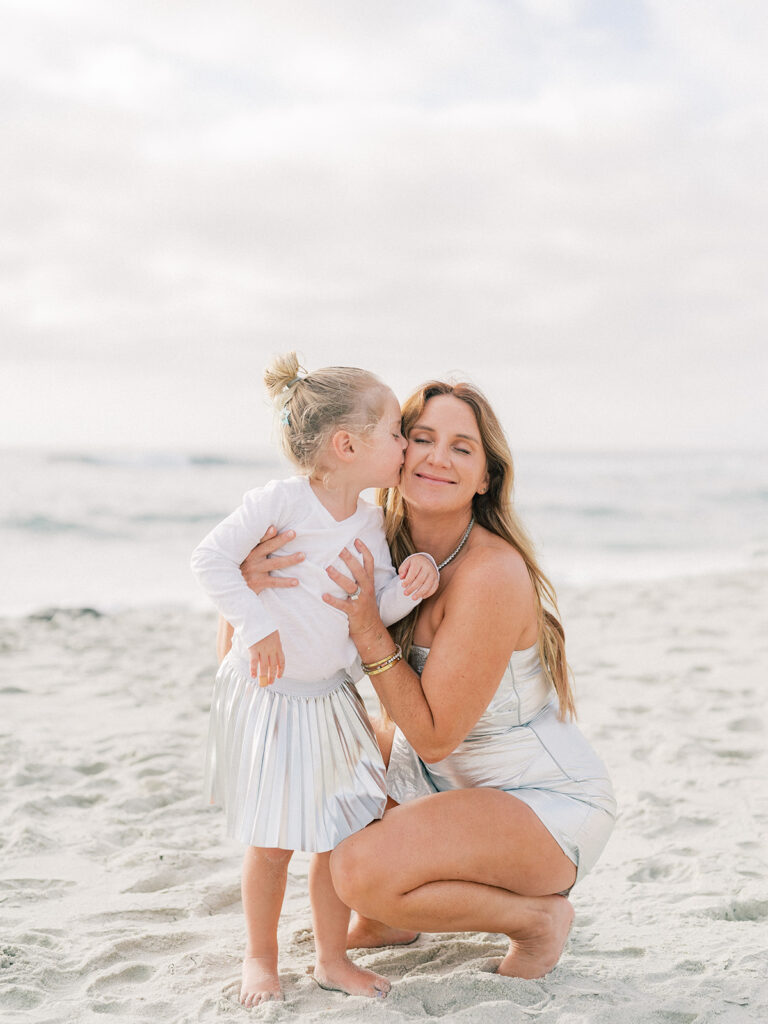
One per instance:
[(487, 602), (261, 561), (224, 635), (256, 571)]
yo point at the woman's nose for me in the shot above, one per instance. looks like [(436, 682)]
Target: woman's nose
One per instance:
[(438, 454)]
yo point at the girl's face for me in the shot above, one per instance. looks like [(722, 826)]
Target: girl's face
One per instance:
[(385, 447), (445, 464)]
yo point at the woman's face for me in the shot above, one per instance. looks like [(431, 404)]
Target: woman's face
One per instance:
[(445, 463)]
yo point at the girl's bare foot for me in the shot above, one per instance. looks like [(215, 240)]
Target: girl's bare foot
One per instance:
[(535, 954), (343, 976), (260, 981), (367, 934)]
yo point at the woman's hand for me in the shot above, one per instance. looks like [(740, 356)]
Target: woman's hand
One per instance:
[(360, 606), (258, 565)]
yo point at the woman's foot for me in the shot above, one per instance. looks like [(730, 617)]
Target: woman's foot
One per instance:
[(367, 934), (343, 976), (260, 980), (534, 953)]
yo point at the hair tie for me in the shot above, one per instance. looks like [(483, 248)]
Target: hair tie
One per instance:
[(301, 375)]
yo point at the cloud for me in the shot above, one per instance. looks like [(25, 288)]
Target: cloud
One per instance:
[(569, 191)]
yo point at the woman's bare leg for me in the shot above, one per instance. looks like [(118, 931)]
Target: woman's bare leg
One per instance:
[(265, 872), (330, 918), (466, 860)]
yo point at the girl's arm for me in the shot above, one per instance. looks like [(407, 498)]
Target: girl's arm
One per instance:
[(488, 601), (216, 561)]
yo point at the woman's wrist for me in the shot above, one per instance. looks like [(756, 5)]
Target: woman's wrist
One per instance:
[(373, 642)]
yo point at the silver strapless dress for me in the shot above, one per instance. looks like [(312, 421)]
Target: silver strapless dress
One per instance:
[(295, 764), (519, 745)]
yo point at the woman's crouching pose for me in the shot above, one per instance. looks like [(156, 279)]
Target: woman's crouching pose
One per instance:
[(502, 804)]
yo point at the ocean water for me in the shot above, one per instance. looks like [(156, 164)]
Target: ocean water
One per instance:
[(108, 531)]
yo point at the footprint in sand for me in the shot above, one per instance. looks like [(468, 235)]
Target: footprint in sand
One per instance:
[(18, 891), (746, 725), (655, 872), (740, 910), (133, 974)]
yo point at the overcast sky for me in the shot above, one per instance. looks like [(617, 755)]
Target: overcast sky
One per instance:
[(565, 201)]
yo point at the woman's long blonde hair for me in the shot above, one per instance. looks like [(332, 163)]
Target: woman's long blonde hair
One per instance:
[(494, 510)]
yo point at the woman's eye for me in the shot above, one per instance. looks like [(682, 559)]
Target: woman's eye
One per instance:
[(463, 451)]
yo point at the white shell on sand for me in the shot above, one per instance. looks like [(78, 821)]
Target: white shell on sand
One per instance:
[(119, 895)]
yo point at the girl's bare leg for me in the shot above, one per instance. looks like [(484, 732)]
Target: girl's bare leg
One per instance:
[(330, 917), (265, 872), (364, 932), (466, 860)]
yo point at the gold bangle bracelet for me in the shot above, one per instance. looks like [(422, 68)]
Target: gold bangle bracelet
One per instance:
[(375, 664), (374, 667), (383, 668)]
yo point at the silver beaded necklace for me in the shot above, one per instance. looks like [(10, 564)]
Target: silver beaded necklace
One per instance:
[(462, 542)]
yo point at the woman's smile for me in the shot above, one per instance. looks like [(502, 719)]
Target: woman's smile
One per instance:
[(433, 479)]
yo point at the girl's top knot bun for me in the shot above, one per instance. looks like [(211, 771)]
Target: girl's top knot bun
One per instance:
[(282, 373)]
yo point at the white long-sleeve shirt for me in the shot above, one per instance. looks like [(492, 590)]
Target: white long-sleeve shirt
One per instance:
[(315, 636)]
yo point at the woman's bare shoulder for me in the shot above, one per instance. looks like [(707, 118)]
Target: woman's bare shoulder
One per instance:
[(495, 560)]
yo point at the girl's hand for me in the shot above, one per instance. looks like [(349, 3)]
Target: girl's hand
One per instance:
[(267, 659), (360, 606), (258, 565), (420, 577)]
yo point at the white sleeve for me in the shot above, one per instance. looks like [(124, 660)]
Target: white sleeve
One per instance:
[(216, 561), (392, 602)]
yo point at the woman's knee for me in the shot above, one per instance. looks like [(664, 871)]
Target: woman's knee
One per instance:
[(353, 870)]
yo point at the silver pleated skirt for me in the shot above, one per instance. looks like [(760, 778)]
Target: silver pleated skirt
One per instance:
[(295, 764)]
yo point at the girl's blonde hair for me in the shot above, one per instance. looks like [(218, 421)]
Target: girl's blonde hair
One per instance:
[(494, 510), (311, 407)]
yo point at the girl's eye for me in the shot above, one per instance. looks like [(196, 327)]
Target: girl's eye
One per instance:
[(419, 440)]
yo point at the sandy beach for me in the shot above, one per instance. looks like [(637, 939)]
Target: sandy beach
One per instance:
[(119, 894)]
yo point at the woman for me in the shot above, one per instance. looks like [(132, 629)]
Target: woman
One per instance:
[(501, 803)]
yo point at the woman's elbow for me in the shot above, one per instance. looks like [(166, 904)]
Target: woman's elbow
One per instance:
[(434, 751)]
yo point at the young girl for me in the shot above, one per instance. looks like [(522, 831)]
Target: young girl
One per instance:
[(294, 760)]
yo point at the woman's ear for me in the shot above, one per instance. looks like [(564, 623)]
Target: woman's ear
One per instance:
[(483, 488)]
